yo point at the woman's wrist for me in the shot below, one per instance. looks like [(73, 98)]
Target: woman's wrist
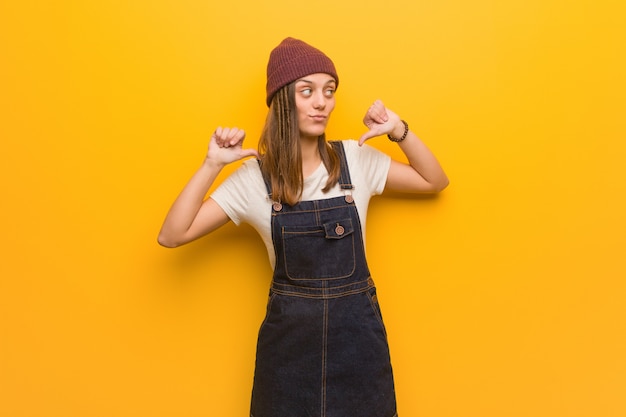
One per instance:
[(212, 164), (399, 132)]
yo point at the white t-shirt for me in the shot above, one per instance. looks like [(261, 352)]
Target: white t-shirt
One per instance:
[(243, 195)]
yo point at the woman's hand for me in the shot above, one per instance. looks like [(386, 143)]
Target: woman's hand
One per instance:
[(381, 121), (225, 146)]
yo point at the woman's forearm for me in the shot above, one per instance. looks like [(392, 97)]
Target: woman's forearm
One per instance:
[(187, 205), (424, 162)]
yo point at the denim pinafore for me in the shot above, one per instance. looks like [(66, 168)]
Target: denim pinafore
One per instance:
[(322, 349)]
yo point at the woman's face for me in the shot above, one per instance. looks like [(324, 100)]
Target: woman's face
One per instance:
[(315, 101)]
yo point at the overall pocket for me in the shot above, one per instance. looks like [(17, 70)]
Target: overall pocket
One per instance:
[(373, 299), (319, 252)]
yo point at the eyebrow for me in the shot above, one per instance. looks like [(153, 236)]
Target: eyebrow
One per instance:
[(304, 80)]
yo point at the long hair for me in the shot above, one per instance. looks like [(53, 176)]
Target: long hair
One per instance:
[(281, 156)]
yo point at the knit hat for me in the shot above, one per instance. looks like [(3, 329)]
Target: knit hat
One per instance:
[(293, 59)]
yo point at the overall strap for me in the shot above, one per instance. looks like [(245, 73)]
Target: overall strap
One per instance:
[(268, 184), (344, 179)]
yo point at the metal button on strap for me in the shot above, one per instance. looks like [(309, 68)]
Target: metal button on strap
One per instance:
[(339, 230), (277, 206), (349, 199)]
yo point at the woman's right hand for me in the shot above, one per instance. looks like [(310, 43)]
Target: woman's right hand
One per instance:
[(225, 146)]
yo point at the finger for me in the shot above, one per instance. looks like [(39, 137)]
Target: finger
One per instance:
[(217, 136), (237, 136), (221, 135), (232, 132), (377, 113), (218, 132), (380, 111), (230, 139), (367, 136), (249, 152)]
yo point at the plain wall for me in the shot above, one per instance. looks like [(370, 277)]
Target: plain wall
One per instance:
[(503, 296)]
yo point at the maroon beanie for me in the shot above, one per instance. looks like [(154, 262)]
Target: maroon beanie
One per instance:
[(293, 59)]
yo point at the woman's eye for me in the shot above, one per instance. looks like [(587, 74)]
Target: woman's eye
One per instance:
[(330, 92), (306, 91)]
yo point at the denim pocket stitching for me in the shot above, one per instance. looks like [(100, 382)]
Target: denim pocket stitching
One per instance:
[(321, 231), (376, 308)]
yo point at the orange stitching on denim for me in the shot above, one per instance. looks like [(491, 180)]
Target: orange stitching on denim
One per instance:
[(314, 210), (319, 293), (375, 307), (319, 278), (324, 358), (324, 296), (267, 310), (368, 280), (317, 212)]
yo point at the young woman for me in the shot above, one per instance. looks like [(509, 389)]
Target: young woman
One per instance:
[(322, 348)]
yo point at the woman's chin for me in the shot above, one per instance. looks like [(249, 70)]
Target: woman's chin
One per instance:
[(312, 134)]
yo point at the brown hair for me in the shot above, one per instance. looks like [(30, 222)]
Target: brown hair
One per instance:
[(279, 146)]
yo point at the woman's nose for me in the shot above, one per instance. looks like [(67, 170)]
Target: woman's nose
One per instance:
[(320, 101)]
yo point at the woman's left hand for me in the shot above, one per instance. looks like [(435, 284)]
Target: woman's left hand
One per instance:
[(380, 121)]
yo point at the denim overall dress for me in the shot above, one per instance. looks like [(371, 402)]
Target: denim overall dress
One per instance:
[(322, 349)]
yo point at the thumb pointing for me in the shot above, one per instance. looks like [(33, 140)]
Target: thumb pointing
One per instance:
[(249, 152), (366, 136)]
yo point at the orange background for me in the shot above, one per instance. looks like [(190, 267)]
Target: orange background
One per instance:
[(504, 296)]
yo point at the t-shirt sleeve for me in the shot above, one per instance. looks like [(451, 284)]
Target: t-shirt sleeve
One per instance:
[(230, 195), (370, 164)]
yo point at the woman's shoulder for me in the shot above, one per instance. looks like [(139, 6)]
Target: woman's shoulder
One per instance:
[(248, 169), (350, 146), (251, 165), (246, 175)]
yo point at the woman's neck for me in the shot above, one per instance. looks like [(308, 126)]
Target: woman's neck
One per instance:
[(311, 158)]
